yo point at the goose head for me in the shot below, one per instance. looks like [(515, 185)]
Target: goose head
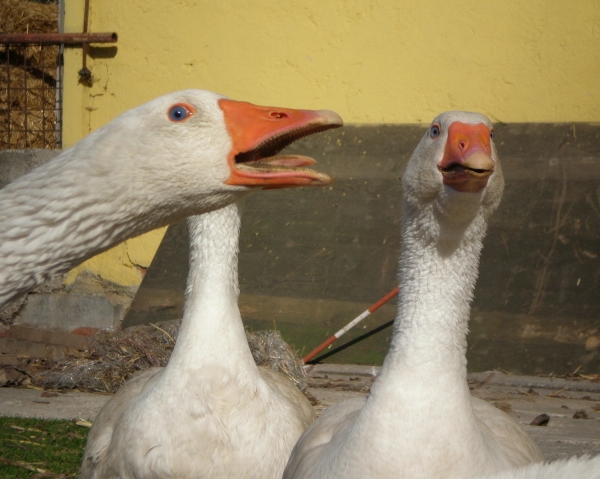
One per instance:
[(208, 148), (182, 154), (455, 168)]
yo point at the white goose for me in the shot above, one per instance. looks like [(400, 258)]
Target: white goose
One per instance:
[(420, 420), (211, 412), (181, 154)]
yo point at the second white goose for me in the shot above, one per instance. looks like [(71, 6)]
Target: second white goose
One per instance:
[(420, 420), (211, 413)]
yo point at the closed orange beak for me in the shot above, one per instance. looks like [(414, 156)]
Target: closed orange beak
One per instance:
[(467, 162)]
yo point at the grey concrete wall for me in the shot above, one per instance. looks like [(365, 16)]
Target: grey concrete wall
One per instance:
[(15, 163), (313, 259)]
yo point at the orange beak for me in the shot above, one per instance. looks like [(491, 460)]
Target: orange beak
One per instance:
[(467, 162), (259, 133)]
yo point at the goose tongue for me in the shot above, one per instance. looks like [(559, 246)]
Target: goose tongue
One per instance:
[(259, 133), (467, 162)]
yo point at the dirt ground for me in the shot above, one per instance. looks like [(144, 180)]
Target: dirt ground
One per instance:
[(573, 406)]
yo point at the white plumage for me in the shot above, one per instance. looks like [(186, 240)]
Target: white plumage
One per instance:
[(211, 412), (420, 420), (181, 154)]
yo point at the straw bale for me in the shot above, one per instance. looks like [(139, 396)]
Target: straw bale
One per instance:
[(28, 77), (269, 349), (113, 357), (19, 16)]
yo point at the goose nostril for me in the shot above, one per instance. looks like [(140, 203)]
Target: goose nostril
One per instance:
[(278, 114)]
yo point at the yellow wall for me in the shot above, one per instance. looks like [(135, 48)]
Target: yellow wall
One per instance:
[(372, 61)]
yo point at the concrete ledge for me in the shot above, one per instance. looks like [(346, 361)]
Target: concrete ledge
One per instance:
[(20, 348), (55, 338), (23, 341)]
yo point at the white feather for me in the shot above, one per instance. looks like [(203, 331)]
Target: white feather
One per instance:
[(211, 412)]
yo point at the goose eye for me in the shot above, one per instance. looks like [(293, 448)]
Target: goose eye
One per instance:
[(492, 134), (434, 131), (180, 112)]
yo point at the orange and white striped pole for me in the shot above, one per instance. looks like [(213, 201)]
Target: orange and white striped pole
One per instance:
[(350, 325)]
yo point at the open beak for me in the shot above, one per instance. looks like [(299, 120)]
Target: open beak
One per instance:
[(259, 133), (467, 162)]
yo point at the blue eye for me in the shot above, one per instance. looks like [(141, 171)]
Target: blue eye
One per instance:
[(434, 130), (179, 112)]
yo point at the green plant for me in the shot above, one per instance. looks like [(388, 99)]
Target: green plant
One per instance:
[(39, 448)]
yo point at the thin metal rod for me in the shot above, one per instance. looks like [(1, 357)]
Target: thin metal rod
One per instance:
[(56, 38), (85, 15), (8, 99), (350, 325), (86, 46)]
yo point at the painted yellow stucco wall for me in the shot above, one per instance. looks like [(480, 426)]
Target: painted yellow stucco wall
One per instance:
[(372, 61)]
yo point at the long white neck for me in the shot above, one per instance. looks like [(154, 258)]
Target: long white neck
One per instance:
[(438, 271), (212, 333), (421, 395)]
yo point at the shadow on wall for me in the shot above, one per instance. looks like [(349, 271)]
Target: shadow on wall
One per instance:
[(313, 259)]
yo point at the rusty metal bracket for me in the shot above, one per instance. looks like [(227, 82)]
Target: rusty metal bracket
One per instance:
[(84, 39), (58, 38)]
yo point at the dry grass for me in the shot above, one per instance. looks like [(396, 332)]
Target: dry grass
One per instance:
[(28, 77), (113, 357), (19, 16)]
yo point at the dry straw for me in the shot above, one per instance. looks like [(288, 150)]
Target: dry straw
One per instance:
[(113, 357), (28, 77)]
